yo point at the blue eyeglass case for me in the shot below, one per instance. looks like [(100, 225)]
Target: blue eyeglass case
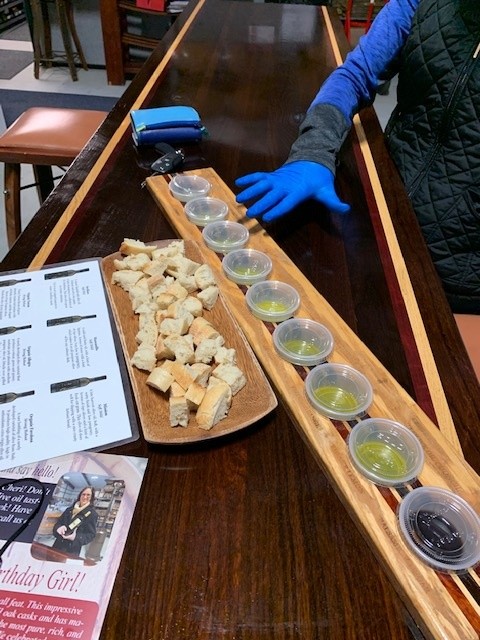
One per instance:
[(166, 124)]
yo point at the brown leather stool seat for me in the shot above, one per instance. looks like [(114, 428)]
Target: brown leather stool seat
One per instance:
[(43, 137), (469, 327)]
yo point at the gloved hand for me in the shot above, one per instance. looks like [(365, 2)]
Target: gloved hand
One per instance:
[(279, 191)]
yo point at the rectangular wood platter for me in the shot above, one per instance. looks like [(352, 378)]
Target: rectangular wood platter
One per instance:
[(247, 406), (443, 605)]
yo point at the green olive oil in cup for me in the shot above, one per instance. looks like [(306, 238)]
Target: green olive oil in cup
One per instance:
[(302, 341)]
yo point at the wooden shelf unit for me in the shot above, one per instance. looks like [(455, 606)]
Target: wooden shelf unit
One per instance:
[(119, 43), (11, 14)]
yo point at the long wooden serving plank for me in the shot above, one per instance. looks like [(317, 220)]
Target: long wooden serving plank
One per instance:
[(444, 606)]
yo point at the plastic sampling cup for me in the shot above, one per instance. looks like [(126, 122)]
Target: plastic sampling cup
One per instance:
[(201, 211), (303, 341), (441, 528), (272, 300), (246, 266), (225, 236), (187, 187), (338, 391), (385, 452)]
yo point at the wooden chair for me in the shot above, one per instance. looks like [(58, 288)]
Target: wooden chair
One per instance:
[(43, 137)]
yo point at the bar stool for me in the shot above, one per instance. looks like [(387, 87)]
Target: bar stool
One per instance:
[(469, 328), (43, 137), (42, 36)]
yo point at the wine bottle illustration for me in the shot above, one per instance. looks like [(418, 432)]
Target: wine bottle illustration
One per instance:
[(53, 322), (64, 274), (11, 396), (6, 330), (66, 385), (10, 283)]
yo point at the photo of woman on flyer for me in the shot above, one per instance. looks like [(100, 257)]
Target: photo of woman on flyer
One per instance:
[(77, 526)]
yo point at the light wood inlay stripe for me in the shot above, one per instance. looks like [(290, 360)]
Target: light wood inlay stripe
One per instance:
[(41, 257), (437, 393)]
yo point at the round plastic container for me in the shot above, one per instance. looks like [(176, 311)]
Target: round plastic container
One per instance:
[(302, 341), (246, 266), (441, 528), (185, 188), (386, 452), (201, 211), (272, 300), (338, 391), (225, 236)]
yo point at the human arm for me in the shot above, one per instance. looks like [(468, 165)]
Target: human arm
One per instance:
[(327, 123)]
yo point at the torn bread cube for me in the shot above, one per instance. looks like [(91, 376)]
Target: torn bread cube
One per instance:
[(201, 329), (206, 350), (160, 379), (177, 246), (155, 267), (232, 375), (179, 264), (164, 300), (130, 246), (204, 276), (181, 373), (182, 347), (194, 395), (126, 278), (224, 355), (176, 391), (208, 297), (177, 290), (135, 262), (162, 350), (214, 406), (144, 357), (179, 411), (202, 372), (174, 326), (193, 305), (147, 334), (187, 282)]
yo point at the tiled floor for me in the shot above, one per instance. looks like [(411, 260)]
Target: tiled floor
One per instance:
[(91, 82)]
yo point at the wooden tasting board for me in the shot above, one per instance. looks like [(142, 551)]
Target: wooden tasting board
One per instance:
[(443, 605)]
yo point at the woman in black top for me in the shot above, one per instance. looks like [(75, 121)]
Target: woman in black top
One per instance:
[(77, 526)]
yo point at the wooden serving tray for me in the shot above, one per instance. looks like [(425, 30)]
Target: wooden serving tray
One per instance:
[(247, 406), (443, 605)]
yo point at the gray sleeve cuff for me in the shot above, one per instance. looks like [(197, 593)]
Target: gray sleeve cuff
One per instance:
[(322, 133)]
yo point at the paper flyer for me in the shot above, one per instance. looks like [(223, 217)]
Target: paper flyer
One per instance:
[(46, 590), (61, 386)]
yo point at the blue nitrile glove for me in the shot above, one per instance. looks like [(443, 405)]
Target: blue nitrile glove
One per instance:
[(279, 191)]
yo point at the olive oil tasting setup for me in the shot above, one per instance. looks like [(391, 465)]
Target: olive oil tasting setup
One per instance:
[(406, 486)]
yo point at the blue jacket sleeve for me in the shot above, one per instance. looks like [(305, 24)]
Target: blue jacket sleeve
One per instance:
[(353, 85)]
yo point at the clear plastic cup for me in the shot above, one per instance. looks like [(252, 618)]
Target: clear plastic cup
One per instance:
[(246, 266), (303, 341), (385, 452), (441, 528), (272, 300), (187, 187), (225, 236), (338, 391), (201, 211)]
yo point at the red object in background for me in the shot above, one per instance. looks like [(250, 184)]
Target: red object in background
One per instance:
[(153, 5)]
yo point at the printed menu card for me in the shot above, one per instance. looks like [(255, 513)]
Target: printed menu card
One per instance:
[(61, 384)]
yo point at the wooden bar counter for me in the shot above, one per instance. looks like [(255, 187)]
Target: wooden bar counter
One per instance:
[(244, 537)]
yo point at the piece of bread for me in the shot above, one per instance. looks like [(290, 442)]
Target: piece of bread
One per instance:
[(135, 262), (182, 347), (177, 246), (179, 411), (126, 278), (177, 290), (194, 395), (208, 297), (224, 355), (201, 329), (179, 264), (147, 334), (232, 375), (162, 350), (176, 391), (187, 282), (204, 276), (160, 379), (207, 349), (155, 267), (201, 372), (181, 374), (144, 357), (164, 300), (214, 406), (174, 326), (130, 246)]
